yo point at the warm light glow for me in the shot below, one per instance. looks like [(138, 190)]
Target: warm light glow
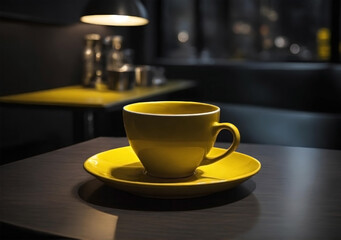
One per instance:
[(183, 36), (114, 20), (281, 42)]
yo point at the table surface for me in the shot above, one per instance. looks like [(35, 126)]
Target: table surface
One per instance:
[(78, 96), (296, 195)]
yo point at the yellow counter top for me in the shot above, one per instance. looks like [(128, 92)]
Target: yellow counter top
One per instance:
[(78, 96)]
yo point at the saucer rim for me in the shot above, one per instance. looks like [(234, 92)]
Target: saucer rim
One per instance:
[(176, 183)]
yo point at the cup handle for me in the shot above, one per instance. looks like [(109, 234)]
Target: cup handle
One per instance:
[(217, 127)]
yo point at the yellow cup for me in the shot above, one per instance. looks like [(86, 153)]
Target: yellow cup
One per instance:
[(173, 138)]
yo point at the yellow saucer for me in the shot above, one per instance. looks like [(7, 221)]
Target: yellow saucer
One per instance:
[(122, 169)]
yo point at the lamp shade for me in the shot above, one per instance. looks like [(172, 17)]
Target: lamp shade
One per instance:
[(115, 13)]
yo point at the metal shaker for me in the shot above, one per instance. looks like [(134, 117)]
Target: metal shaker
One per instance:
[(92, 61), (120, 73)]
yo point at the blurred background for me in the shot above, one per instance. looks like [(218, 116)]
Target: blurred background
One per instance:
[(273, 66)]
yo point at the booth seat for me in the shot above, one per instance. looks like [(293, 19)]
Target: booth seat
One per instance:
[(282, 126)]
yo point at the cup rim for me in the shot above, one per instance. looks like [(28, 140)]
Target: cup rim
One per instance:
[(217, 109)]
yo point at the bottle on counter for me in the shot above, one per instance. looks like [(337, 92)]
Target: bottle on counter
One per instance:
[(92, 61)]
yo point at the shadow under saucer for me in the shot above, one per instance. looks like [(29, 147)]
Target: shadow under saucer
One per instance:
[(99, 194)]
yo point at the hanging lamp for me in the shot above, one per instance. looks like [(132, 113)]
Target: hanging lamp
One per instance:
[(115, 13)]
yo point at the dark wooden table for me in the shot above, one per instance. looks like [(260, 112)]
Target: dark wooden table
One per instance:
[(296, 195)]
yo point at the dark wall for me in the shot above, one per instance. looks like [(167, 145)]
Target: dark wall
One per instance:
[(39, 56)]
